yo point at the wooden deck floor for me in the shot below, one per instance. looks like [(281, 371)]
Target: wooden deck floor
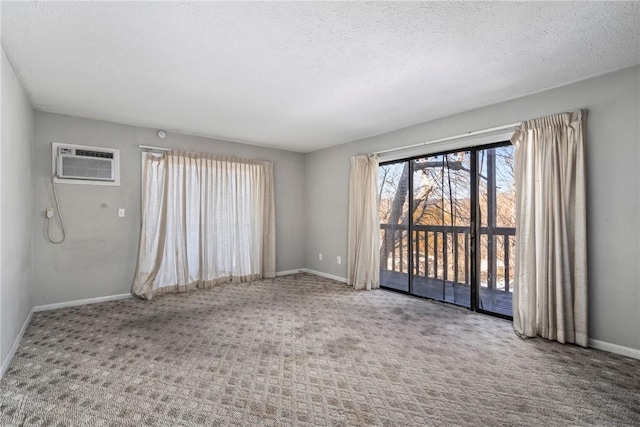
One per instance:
[(492, 300)]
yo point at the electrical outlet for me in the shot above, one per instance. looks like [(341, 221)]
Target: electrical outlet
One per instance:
[(339, 260), (49, 212), (320, 257), (121, 213)]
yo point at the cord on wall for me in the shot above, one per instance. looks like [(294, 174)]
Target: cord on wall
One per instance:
[(64, 235)]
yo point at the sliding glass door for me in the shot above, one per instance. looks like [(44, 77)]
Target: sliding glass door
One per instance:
[(448, 228), (393, 187), (441, 227), (497, 229)]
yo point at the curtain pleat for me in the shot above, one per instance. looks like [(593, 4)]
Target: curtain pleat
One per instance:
[(550, 290), (364, 226), (152, 233), (268, 224), (214, 217)]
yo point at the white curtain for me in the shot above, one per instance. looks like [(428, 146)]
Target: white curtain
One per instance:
[(205, 220), (550, 292), (364, 226)]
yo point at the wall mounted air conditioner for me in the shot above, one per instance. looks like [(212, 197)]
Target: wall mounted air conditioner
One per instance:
[(80, 164)]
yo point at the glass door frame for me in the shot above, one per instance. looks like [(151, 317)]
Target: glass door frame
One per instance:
[(474, 233)]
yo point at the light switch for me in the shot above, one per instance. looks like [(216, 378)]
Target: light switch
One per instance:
[(121, 212)]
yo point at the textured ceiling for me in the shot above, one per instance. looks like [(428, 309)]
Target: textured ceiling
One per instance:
[(303, 76)]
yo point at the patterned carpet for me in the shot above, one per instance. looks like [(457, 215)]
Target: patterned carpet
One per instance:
[(301, 350)]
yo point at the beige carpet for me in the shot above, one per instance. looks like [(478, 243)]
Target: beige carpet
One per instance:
[(304, 351)]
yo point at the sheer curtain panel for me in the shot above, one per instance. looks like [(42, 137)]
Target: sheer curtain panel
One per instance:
[(550, 292), (152, 232), (205, 220), (364, 226)]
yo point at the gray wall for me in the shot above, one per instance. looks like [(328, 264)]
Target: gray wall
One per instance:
[(16, 209), (613, 137), (99, 256)]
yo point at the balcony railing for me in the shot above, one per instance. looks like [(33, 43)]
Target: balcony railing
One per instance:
[(442, 253)]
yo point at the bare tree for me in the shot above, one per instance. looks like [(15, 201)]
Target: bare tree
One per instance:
[(395, 213)]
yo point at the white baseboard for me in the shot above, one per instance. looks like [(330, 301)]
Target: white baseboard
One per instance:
[(16, 344), (286, 272), (614, 348), (321, 274), (96, 300)]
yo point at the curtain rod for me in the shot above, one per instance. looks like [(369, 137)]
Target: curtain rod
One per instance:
[(451, 138), (152, 148)]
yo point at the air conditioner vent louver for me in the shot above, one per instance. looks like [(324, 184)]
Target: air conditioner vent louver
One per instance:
[(77, 164), (88, 153), (92, 168)]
